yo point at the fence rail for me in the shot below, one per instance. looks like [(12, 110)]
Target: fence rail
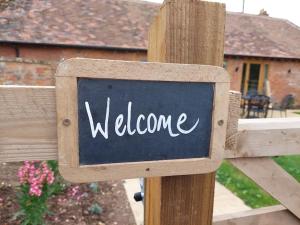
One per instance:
[(273, 215), (28, 132)]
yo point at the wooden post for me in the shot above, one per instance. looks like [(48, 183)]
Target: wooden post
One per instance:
[(192, 32)]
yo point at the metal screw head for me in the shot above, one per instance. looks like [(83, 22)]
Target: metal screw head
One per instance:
[(220, 122), (66, 122)]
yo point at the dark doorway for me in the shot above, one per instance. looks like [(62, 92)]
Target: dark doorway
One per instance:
[(253, 78)]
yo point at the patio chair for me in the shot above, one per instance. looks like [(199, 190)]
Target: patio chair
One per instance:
[(286, 103)]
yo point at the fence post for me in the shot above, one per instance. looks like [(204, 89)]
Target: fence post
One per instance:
[(191, 32)]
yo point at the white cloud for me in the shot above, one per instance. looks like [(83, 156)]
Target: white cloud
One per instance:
[(287, 9)]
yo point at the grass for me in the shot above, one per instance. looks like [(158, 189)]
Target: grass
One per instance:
[(249, 191), (297, 113), (291, 164), (243, 187)]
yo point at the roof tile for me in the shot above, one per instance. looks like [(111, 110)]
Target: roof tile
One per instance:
[(124, 24)]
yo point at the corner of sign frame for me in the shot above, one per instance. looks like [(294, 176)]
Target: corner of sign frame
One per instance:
[(224, 73), (66, 173), (64, 66)]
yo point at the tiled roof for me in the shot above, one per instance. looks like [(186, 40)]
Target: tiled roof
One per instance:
[(124, 24), (265, 36)]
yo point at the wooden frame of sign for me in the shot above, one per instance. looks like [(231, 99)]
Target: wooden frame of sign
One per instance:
[(67, 117)]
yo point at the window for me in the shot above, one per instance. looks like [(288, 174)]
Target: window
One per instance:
[(254, 78)]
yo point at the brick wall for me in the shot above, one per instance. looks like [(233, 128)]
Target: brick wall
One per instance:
[(26, 72), (33, 65), (55, 53), (234, 68), (7, 51), (37, 67), (284, 82), (281, 81)]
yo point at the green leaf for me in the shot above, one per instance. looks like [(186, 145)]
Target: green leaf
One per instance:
[(95, 208)]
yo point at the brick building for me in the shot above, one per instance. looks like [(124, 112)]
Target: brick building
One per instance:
[(261, 52)]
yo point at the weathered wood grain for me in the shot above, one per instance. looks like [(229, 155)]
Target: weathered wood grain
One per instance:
[(67, 109), (273, 215), (153, 187), (27, 123), (273, 179), (233, 118), (266, 137), (191, 32)]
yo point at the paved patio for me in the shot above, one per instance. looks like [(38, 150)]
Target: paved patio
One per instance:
[(290, 113)]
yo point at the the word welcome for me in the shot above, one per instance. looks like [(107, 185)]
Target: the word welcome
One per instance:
[(152, 123)]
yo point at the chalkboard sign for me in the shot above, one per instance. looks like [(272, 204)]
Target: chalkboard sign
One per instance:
[(129, 119)]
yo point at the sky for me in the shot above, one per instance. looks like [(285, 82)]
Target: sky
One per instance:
[(285, 9)]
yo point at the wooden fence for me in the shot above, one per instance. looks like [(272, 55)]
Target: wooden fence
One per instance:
[(28, 132)]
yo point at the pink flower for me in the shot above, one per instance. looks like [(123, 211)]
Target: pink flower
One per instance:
[(36, 175), (35, 190), (74, 192)]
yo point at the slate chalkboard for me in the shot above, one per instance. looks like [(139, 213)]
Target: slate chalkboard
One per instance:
[(126, 119), (149, 103)]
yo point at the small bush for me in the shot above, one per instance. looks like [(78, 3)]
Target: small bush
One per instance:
[(36, 186)]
